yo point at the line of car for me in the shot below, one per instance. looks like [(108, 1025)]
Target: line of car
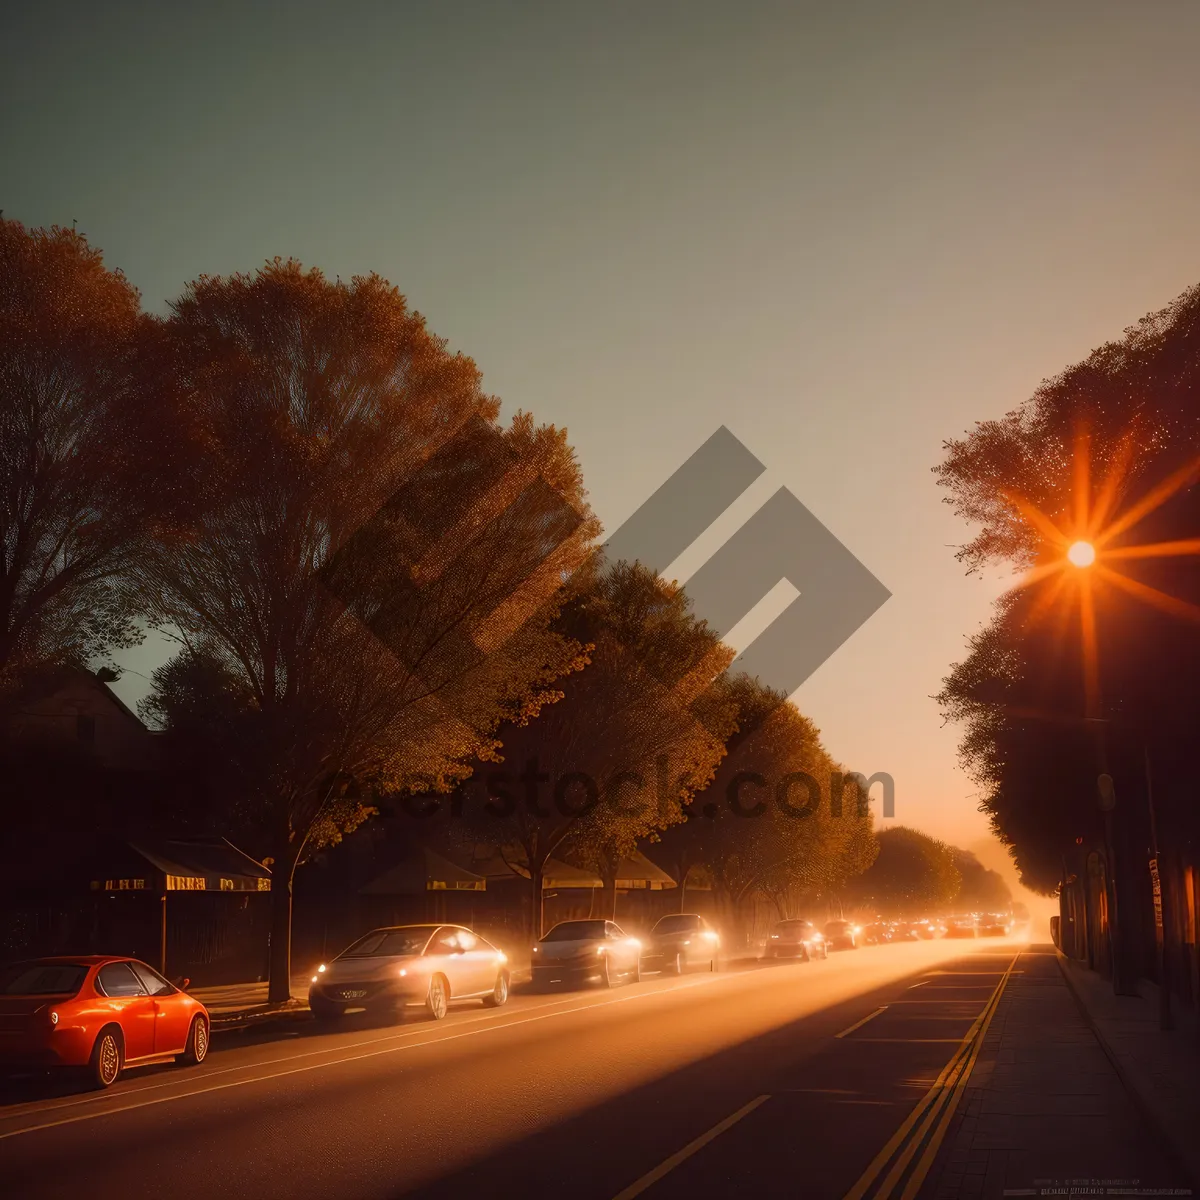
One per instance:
[(100, 1014)]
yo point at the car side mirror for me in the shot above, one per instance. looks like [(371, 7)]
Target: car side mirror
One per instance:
[(181, 982)]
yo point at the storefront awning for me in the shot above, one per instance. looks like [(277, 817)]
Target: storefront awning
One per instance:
[(424, 871), (177, 865)]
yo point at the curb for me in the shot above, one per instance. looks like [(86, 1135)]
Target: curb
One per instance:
[(1179, 1152)]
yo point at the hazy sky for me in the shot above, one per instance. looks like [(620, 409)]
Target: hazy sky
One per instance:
[(847, 231)]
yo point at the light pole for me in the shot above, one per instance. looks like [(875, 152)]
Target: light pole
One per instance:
[(1160, 949)]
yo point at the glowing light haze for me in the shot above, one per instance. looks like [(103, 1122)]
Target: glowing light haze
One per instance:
[(846, 231)]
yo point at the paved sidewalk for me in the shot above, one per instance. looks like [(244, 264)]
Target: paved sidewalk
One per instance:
[(1161, 1068), (1045, 1111), (237, 997)]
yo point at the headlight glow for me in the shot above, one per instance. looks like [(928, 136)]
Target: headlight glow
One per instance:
[(314, 979), (634, 944), (709, 935), (321, 969), (403, 971), (501, 957)]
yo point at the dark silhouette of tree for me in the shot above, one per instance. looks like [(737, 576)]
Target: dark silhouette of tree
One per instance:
[(913, 872), (1086, 671), (90, 461)]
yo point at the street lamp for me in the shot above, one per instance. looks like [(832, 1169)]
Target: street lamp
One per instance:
[(1081, 554)]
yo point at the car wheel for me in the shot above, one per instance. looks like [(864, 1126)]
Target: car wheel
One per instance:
[(196, 1050), (108, 1057), (437, 1001), (325, 1012), (499, 992)]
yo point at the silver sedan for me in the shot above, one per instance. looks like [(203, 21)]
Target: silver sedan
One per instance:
[(392, 968)]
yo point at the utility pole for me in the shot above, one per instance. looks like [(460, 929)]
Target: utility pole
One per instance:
[(1160, 939)]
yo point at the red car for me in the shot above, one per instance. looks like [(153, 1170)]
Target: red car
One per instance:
[(96, 1012)]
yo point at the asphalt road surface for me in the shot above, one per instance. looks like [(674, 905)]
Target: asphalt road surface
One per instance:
[(733, 1083)]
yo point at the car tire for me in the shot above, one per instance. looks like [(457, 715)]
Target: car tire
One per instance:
[(107, 1058), (437, 999), (325, 1012), (196, 1050), (499, 994)]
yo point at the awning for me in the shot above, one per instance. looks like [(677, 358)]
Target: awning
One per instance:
[(637, 871), (177, 865), (424, 871)]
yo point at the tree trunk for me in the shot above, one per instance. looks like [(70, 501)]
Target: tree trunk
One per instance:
[(536, 900), (279, 989)]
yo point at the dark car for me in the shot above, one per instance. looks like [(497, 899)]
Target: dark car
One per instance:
[(877, 933), (843, 935), (960, 927), (796, 939), (589, 951), (679, 941)]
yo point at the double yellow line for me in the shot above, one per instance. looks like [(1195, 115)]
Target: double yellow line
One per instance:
[(926, 1125)]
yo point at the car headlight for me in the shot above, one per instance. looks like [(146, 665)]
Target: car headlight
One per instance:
[(501, 957), (709, 936), (535, 949), (321, 969), (314, 979), (403, 971), (634, 944), (775, 937), (599, 949)]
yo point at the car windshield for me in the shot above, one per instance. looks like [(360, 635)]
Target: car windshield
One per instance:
[(676, 924), (391, 943), (576, 931), (791, 926), (837, 925), (42, 979)]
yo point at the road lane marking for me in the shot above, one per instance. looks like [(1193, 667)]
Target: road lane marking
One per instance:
[(860, 1024), (945, 1081), (925, 1162), (393, 1049), (669, 1164), (911, 1041)]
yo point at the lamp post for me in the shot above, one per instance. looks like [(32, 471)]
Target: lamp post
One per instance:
[(1105, 785)]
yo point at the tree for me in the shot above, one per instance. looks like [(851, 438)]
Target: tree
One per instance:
[(1084, 671), (766, 823), (912, 872), (89, 460), (371, 584), (637, 730), (980, 889)]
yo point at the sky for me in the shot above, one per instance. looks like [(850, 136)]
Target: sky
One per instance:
[(846, 231)]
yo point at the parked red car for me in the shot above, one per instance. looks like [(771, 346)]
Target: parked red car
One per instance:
[(99, 1013)]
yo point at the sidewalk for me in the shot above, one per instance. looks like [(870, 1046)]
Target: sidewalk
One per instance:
[(1045, 1111), (1161, 1069)]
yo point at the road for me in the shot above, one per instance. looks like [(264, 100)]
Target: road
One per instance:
[(593, 1094)]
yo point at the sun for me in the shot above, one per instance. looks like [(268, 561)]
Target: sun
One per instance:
[(1094, 522), (1082, 554)]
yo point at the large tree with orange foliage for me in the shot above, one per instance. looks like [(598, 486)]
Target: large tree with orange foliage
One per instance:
[(372, 581)]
